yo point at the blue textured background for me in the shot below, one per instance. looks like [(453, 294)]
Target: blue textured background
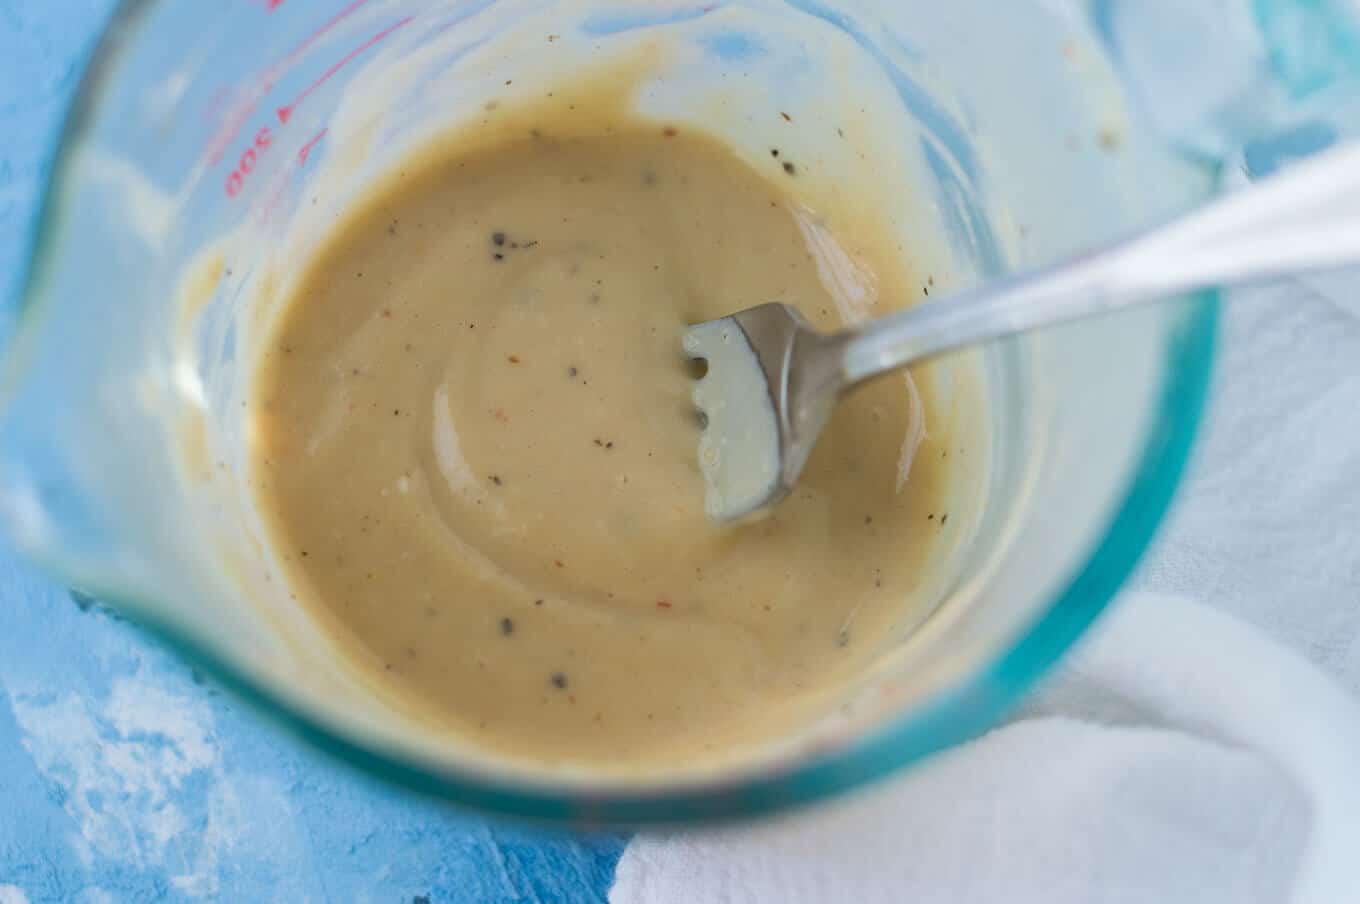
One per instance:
[(124, 776)]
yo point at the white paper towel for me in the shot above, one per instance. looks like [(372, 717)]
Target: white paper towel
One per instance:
[(1180, 757)]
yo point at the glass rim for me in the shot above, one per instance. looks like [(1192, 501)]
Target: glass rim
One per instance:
[(948, 718)]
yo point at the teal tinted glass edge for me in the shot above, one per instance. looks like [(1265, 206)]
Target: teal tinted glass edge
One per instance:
[(961, 714)]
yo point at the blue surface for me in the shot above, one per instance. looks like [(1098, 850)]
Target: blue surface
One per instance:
[(124, 775)]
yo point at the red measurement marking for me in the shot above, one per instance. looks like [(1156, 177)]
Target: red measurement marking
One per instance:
[(284, 64), (236, 179), (281, 182), (245, 108), (307, 148), (286, 111)]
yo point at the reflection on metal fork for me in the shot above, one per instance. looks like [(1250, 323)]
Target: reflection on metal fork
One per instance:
[(773, 380)]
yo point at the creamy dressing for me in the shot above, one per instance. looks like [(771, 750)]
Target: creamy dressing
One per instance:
[(476, 446)]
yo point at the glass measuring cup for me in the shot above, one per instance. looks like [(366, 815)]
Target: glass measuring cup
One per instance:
[(195, 124)]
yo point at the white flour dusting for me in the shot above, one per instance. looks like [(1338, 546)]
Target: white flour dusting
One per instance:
[(121, 765)]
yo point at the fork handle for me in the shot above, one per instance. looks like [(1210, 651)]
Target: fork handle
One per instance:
[(1306, 218)]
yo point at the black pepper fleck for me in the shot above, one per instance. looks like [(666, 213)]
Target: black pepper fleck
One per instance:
[(559, 680), (789, 168), (498, 256), (507, 626), (498, 238), (496, 479)]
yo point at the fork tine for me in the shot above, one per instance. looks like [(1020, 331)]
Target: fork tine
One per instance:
[(739, 451)]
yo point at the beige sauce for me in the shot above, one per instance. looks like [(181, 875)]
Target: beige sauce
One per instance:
[(478, 452)]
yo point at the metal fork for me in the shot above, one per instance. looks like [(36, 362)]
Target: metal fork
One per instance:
[(772, 380)]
